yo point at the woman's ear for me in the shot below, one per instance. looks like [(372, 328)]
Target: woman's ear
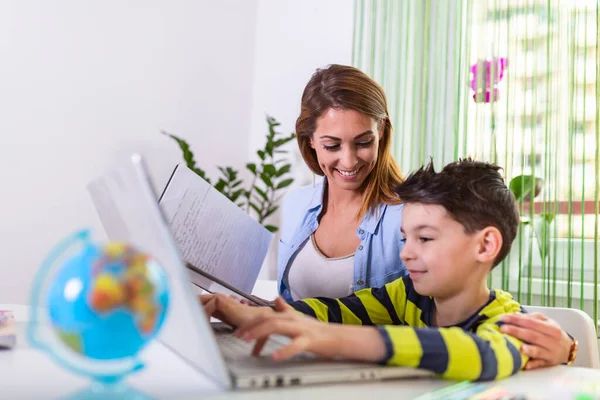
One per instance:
[(489, 244)]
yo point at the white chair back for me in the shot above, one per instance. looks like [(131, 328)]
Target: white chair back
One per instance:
[(579, 325)]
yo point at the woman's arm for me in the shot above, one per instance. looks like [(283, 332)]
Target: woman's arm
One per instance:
[(546, 343)]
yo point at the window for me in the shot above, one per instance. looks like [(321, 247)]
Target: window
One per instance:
[(547, 109), (546, 125)]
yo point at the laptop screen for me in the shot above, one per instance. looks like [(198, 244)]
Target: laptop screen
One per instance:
[(128, 208)]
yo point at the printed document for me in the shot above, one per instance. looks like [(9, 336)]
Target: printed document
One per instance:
[(213, 233)]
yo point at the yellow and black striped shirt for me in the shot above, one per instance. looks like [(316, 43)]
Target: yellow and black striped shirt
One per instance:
[(472, 350)]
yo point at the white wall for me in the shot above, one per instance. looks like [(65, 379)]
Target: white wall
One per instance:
[(293, 39), (84, 83)]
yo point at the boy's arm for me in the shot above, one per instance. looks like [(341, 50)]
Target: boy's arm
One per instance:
[(454, 353), (366, 307)]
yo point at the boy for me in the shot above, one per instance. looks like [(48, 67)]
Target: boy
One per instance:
[(457, 225)]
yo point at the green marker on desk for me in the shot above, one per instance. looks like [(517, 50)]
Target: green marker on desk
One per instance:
[(584, 396), (448, 391)]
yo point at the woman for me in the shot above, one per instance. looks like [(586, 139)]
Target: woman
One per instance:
[(343, 235)]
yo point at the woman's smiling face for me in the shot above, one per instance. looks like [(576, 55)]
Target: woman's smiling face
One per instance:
[(346, 143)]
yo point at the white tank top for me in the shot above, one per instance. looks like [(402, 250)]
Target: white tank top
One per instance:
[(312, 274)]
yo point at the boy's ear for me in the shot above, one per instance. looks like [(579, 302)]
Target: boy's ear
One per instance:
[(490, 244)]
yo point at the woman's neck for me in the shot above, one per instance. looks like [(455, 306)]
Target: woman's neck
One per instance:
[(337, 199)]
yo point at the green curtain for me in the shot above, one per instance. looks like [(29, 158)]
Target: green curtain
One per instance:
[(403, 45), (542, 119)]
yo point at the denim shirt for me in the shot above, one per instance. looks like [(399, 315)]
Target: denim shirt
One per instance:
[(377, 258)]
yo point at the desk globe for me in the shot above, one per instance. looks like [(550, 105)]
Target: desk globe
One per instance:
[(94, 308)]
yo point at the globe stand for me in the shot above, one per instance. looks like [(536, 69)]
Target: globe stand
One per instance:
[(109, 390)]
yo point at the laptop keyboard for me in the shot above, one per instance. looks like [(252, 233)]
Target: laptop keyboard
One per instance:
[(234, 348)]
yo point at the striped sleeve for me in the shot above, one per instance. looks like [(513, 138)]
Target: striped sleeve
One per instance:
[(455, 353), (380, 306)]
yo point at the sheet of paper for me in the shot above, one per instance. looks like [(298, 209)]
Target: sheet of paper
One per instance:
[(213, 233)]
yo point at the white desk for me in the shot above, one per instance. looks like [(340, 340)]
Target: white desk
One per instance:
[(539, 385), (27, 373)]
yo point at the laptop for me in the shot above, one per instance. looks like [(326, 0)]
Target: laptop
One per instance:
[(126, 201)]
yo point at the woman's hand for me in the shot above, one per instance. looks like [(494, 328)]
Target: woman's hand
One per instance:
[(310, 335), (230, 310), (545, 342)]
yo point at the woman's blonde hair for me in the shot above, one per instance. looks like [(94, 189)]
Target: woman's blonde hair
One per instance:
[(347, 88)]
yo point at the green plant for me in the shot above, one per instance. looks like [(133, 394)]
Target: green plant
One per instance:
[(269, 176), (523, 186)]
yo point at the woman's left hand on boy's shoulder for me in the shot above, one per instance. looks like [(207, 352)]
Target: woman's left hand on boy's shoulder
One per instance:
[(542, 337)]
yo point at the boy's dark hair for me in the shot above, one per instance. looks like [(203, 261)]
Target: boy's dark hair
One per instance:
[(472, 192)]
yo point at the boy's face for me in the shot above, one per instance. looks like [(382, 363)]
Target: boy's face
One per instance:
[(440, 257)]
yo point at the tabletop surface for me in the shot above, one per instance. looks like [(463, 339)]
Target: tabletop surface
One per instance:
[(554, 383), (27, 373)]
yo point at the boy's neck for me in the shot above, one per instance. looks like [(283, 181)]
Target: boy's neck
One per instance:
[(457, 308)]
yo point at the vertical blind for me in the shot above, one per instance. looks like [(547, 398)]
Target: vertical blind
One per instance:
[(514, 82)]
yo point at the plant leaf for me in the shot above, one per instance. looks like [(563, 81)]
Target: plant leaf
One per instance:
[(265, 178), (281, 142), (258, 200), (270, 211), (521, 186), (283, 170), (269, 149), (261, 154), (271, 228), (284, 183), (235, 195), (262, 193), (188, 156), (201, 174), (269, 169), (255, 207), (541, 228), (251, 167), (220, 185), (548, 217)]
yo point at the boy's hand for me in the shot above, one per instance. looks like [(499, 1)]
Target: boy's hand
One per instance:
[(308, 334), (230, 310), (545, 342), (271, 303)]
